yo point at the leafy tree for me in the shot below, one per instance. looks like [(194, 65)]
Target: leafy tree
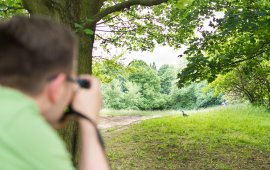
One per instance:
[(112, 95), (184, 98), (167, 77), (194, 96), (143, 75), (132, 98), (116, 98), (241, 35), (136, 91), (153, 66), (205, 96), (109, 69), (251, 83), (148, 81)]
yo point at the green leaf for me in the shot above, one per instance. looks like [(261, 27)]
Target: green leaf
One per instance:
[(88, 31), (181, 4), (78, 26)]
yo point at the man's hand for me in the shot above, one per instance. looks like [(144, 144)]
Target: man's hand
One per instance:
[(88, 101)]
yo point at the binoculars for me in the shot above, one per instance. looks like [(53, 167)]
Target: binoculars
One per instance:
[(83, 83), (69, 110)]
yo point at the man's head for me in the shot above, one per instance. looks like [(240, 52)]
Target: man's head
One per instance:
[(36, 55)]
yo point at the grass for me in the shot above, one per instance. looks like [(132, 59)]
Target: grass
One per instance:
[(234, 137), (110, 112)]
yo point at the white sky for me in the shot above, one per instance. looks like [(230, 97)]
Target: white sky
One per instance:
[(161, 55)]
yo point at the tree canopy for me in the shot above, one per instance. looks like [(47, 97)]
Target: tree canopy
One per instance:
[(242, 35)]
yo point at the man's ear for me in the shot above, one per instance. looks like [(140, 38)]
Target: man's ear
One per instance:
[(55, 86)]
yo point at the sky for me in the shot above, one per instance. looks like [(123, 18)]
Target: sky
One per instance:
[(161, 55)]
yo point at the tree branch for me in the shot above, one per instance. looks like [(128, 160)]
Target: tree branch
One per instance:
[(253, 56), (105, 21), (104, 39), (121, 22), (115, 31), (110, 40), (124, 5), (100, 58)]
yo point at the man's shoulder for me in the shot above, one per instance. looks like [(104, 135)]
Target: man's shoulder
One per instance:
[(28, 140)]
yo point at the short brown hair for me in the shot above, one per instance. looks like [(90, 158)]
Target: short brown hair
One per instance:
[(32, 50)]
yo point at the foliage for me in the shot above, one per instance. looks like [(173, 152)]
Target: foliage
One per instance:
[(108, 69), (146, 88), (241, 35), (113, 93), (153, 66), (167, 76), (132, 98), (194, 97), (207, 139), (141, 28), (8, 8), (115, 97), (148, 81), (246, 82)]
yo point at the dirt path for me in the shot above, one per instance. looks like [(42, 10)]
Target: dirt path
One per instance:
[(119, 121)]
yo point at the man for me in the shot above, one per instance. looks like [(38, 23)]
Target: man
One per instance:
[(37, 61)]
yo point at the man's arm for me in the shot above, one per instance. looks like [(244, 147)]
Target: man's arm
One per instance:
[(92, 154), (89, 103)]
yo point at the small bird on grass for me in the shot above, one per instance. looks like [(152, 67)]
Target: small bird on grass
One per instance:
[(184, 114)]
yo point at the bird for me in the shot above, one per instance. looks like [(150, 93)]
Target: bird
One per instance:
[(184, 114)]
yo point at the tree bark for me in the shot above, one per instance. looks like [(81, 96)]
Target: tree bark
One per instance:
[(85, 53)]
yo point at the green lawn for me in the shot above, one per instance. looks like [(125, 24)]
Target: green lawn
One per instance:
[(233, 137)]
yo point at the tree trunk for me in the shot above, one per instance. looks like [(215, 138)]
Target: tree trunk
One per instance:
[(85, 53), (69, 12)]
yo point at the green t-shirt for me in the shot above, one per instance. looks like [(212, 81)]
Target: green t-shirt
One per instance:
[(27, 141)]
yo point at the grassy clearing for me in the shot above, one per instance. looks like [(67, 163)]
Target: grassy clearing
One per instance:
[(235, 137), (110, 112)]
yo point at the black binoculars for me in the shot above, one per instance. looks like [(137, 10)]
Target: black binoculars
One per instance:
[(69, 110), (83, 83)]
